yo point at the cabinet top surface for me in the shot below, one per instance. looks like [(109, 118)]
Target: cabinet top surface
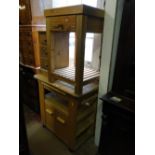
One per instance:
[(75, 10), (125, 103), (67, 88)]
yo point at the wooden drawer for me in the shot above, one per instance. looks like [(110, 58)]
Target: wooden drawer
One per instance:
[(89, 101), (84, 136), (49, 115), (61, 126), (64, 23), (56, 116), (85, 111), (86, 107), (85, 123)]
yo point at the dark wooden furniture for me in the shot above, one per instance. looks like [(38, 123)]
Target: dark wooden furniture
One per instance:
[(118, 126), (25, 16), (29, 88), (29, 54), (23, 142), (80, 19), (70, 117), (124, 77)]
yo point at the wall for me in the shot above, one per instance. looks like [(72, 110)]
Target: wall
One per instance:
[(38, 6), (113, 11)]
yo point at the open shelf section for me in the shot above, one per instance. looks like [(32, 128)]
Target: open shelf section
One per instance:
[(68, 74), (64, 87)]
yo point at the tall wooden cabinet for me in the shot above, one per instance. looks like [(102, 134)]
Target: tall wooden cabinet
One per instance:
[(29, 26), (68, 94), (29, 56)]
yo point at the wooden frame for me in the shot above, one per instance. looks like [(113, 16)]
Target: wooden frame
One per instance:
[(60, 21)]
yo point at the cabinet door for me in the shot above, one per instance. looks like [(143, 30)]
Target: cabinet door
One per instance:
[(50, 116), (61, 126)]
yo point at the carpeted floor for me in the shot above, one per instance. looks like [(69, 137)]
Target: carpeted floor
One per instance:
[(44, 142)]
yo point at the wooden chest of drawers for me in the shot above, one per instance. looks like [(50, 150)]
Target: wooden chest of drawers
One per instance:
[(28, 50), (26, 46)]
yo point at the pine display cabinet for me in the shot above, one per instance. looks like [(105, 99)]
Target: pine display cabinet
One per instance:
[(60, 22)]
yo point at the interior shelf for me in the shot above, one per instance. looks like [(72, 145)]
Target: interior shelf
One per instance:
[(68, 74)]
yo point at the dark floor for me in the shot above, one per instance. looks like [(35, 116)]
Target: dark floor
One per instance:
[(44, 142)]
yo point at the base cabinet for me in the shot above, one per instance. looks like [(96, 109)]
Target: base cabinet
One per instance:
[(71, 118), (72, 128)]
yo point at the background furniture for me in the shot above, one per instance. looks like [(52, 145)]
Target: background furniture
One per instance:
[(23, 142), (124, 76), (29, 53), (25, 15), (117, 134), (118, 120), (26, 50), (29, 88)]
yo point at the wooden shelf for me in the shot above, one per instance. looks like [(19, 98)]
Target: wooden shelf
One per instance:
[(64, 87), (56, 102), (68, 74)]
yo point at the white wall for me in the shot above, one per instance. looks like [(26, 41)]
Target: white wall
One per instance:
[(109, 48), (38, 6)]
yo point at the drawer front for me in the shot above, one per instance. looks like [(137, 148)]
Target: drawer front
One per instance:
[(87, 104), (65, 23), (49, 116), (83, 125), (91, 100), (84, 112), (61, 126), (83, 137)]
